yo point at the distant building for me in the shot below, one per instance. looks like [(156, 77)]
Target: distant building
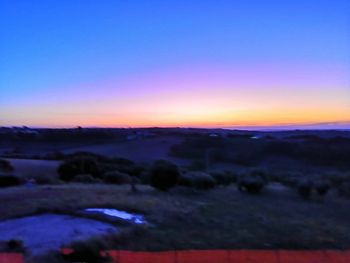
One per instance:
[(256, 137), (24, 130), (138, 135)]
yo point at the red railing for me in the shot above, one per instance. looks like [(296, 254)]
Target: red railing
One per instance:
[(231, 256), (11, 258), (214, 256)]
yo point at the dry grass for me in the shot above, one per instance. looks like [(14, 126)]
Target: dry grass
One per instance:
[(183, 219), (27, 168)]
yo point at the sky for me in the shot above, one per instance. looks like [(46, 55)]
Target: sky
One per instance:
[(193, 63)]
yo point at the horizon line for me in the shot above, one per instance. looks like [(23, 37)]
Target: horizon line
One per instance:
[(343, 125)]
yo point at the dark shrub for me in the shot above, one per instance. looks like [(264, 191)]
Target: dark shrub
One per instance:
[(246, 158), (116, 177), (197, 165), (290, 179), (337, 179), (43, 179), (119, 164), (145, 177), (164, 175), (251, 184), (78, 165), (88, 252), (185, 180), (9, 180), (6, 166), (322, 188), (224, 178), (85, 178), (121, 161), (305, 189), (15, 245), (137, 170), (344, 189), (198, 180), (261, 174)]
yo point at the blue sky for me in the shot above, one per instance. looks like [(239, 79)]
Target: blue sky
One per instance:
[(56, 48)]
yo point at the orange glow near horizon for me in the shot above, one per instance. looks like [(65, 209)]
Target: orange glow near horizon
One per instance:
[(225, 97), (271, 117)]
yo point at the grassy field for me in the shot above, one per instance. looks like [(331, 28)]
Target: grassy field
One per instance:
[(184, 218), (27, 167), (145, 150)]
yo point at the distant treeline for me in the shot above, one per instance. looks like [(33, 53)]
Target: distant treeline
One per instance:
[(25, 134), (246, 151)]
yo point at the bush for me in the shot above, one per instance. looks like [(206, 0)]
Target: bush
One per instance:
[(224, 178), (197, 165), (15, 245), (185, 180), (85, 178), (121, 161), (198, 180), (119, 164), (337, 179), (261, 174), (290, 179), (6, 166), (344, 189), (43, 179), (9, 180), (251, 184), (88, 252), (164, 175), (305, 189), (79, 165), (322, 188), (116, 177)]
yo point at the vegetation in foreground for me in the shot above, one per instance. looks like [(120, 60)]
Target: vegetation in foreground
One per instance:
[(197, 206), (185, 218)]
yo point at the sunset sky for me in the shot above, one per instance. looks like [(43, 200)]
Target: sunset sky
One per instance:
[(198, 63)]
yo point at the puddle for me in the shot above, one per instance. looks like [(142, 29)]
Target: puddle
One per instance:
[(46, 232), (137, 219)]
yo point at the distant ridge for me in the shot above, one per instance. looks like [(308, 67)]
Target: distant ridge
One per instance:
[(307, 126)]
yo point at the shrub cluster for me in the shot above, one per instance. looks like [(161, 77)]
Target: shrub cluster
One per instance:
[(9, 180), (198, 180), (79, 165), (164, 175), (224, 178), (116, 177), (6, 166), (15, 245), (344, 190), (252, 183), (85, 167), (306, 188), (43, 179), (85, 178)]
